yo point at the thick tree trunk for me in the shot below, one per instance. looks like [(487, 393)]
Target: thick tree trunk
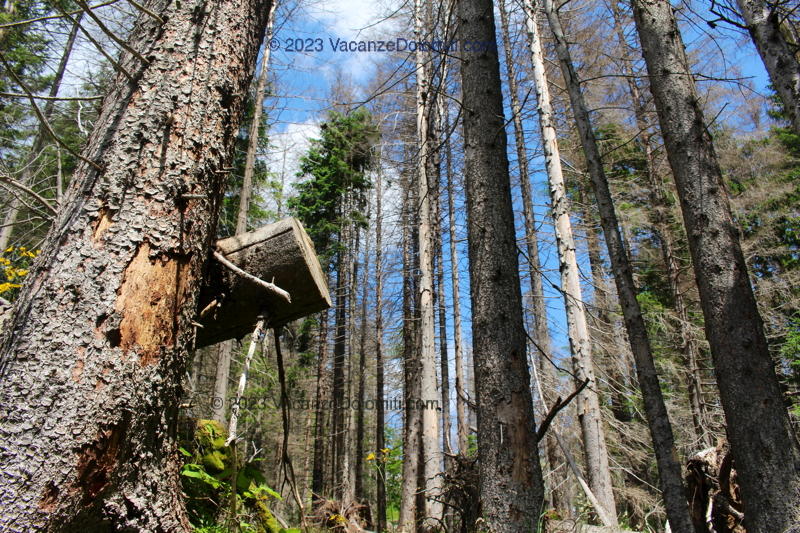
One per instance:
[(588, 402), (94, 357), (662, 221), (764, 447), (669, 469), (543, 346), (764, 24), (511, 486)]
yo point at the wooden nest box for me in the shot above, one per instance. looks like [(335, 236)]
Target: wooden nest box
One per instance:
[(280, 253)]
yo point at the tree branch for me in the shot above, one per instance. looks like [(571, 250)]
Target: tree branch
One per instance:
[(558, 406), (271, 287)]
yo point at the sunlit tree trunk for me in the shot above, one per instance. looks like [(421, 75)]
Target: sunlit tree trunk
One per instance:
[(763, 445), (671, 481), (588, 403), (95, 352), (511, 486), (764, 24)]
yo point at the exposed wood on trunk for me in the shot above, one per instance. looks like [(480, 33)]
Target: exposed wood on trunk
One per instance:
[(95, 400)]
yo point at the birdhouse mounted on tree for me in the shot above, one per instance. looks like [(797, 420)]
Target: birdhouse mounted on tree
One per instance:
[(281, 254)]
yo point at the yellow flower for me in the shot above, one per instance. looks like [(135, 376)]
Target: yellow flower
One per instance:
[(371, 457), (22, 272), (4, 261), (385, 451), (5, 287), (9, 249)]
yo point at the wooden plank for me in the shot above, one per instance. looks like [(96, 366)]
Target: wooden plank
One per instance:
[(281, 253)]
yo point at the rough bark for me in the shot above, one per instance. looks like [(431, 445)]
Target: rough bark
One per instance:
[(662, 220), (93, 359), (588, 402), (511, 486), (669, 469), (361, 377), (764, 24), (764, 447)]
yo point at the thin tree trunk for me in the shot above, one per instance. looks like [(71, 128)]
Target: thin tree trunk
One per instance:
[(411, 420), (462, 421), (543, 345), (588, 402), (41, 134), (225, 349), (764, 24), (767, 459), (321, 435), (362, 376), (671, 481), (380, 421), (511, 486), (429, 395), (662, 219), (96, 349)]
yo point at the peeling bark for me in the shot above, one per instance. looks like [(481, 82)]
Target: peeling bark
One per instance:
[(92, 360)]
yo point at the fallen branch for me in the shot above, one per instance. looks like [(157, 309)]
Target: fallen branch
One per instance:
[(266, 285), (559, 405)]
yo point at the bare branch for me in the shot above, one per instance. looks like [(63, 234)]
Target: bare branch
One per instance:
[(271, 287)]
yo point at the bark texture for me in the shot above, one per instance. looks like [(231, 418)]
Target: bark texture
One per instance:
[(92, 362), (511, 486), (588, 403), (782, 63), (670, 479), (763, 445)]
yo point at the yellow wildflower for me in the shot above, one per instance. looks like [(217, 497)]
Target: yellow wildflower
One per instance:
[(371, 457), (5, 287)]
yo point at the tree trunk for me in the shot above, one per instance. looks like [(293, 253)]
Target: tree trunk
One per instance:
[(380, 421), (764, 24), (662, 220), (767, 460), (318, 485), (543, 346), (41, 134), (411, 418), (511, 486), (99, 339), (588, 402), (361, 376), (429, 394), (462, 422), (669, 469)]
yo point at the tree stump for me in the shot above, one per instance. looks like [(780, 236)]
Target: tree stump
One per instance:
[(280, 253)]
